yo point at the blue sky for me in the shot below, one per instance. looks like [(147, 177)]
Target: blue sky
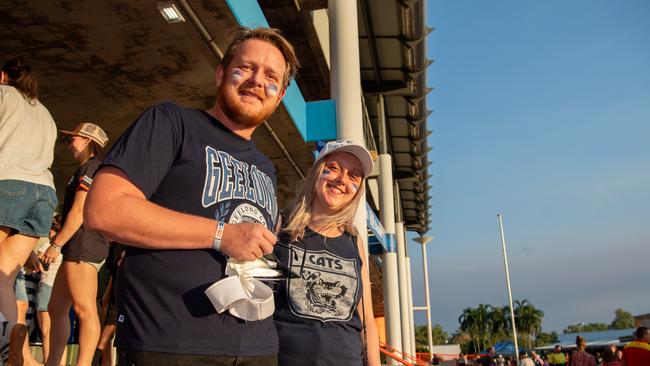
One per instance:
[(541, 113)]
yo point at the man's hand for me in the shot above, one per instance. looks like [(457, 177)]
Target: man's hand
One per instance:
[(246, 241)]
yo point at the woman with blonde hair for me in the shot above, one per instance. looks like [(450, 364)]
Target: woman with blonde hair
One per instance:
[(83, 252), (27, 196), (323, 314)]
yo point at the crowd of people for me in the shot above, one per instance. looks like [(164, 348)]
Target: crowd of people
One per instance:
[(635, 353), (211, 271)]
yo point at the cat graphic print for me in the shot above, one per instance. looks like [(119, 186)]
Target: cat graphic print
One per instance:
[(327, 287)]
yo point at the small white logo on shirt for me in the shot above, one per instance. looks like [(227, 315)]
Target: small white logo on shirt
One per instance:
[(120, 318)]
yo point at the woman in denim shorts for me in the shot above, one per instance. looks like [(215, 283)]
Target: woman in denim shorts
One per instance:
[(83, 252), (27, 196)]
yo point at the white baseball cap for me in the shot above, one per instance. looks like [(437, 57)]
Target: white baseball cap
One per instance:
[(352, 146)]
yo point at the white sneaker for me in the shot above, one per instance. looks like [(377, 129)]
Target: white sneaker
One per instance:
[(12, 337)]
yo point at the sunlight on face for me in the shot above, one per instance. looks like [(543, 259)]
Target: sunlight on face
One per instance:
[(339, 181)]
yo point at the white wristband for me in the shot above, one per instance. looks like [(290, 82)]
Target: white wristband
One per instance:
[(216, 243)]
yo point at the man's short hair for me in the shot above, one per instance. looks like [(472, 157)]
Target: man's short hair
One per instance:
[(270, 35), (641, 331)]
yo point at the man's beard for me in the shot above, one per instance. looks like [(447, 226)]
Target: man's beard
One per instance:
[(237, 115)]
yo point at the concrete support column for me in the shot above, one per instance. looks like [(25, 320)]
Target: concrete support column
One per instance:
[(410, 302), (387, 217), (390, 273), (345, 81), (403, 288), (345, 77)]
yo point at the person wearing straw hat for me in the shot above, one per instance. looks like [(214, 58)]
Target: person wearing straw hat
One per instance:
[(83, 251), (27, 194), (324, 316)]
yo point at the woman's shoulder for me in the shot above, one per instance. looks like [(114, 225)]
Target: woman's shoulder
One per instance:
[(90, 167), (10, 95)]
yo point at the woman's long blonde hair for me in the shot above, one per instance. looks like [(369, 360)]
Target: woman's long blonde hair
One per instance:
[(300, 216)]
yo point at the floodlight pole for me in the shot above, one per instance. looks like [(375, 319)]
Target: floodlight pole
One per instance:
[(424, 240), (505, 263)]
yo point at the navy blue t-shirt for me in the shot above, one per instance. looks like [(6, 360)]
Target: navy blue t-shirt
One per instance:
[(316, 314), (187, 161)]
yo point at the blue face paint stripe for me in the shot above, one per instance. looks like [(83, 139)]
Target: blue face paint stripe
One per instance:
[(324, 174), (272, 89)]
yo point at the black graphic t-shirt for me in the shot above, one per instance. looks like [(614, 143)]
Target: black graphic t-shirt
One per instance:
[(85, 244), (187, 161), (316, 314)]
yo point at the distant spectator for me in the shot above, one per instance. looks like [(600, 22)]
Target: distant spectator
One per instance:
[(609, 357), (545, 360), (619, 355), (536, 359), (489, 359), (461, 360), (500, 360), (557, 358), (637, 352), (435, 360), (580, 357), (525, 360)]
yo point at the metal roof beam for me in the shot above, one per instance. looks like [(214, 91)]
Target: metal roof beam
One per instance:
[(387, 87), (412, 43), (311, 4), (416, 100), (372, 43)]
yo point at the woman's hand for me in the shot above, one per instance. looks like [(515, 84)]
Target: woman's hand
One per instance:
[(51, 254), (33, 264)]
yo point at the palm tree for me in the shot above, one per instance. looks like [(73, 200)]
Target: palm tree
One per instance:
[(483, 319), (499, 322), (476, 323), (528, 320), (468, 325)]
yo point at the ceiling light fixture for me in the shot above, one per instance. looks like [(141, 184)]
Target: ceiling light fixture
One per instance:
[(170, 12)]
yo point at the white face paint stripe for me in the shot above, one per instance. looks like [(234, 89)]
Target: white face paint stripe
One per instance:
[(352, 187), (325, 174), (271, 90), (237, 75)]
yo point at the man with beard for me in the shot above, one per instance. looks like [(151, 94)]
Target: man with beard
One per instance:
[(184, 189)]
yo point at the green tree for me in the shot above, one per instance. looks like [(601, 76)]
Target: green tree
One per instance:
[(544, 339), (582, 327), (438, 336), (528, 320), (622, 320), (499, 323), (483, 319), (469, 325)]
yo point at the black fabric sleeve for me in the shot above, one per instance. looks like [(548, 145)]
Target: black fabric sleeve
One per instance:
[(148, 148), (86, 174)]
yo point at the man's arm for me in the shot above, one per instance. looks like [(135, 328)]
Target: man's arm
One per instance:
[(116, 208)]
